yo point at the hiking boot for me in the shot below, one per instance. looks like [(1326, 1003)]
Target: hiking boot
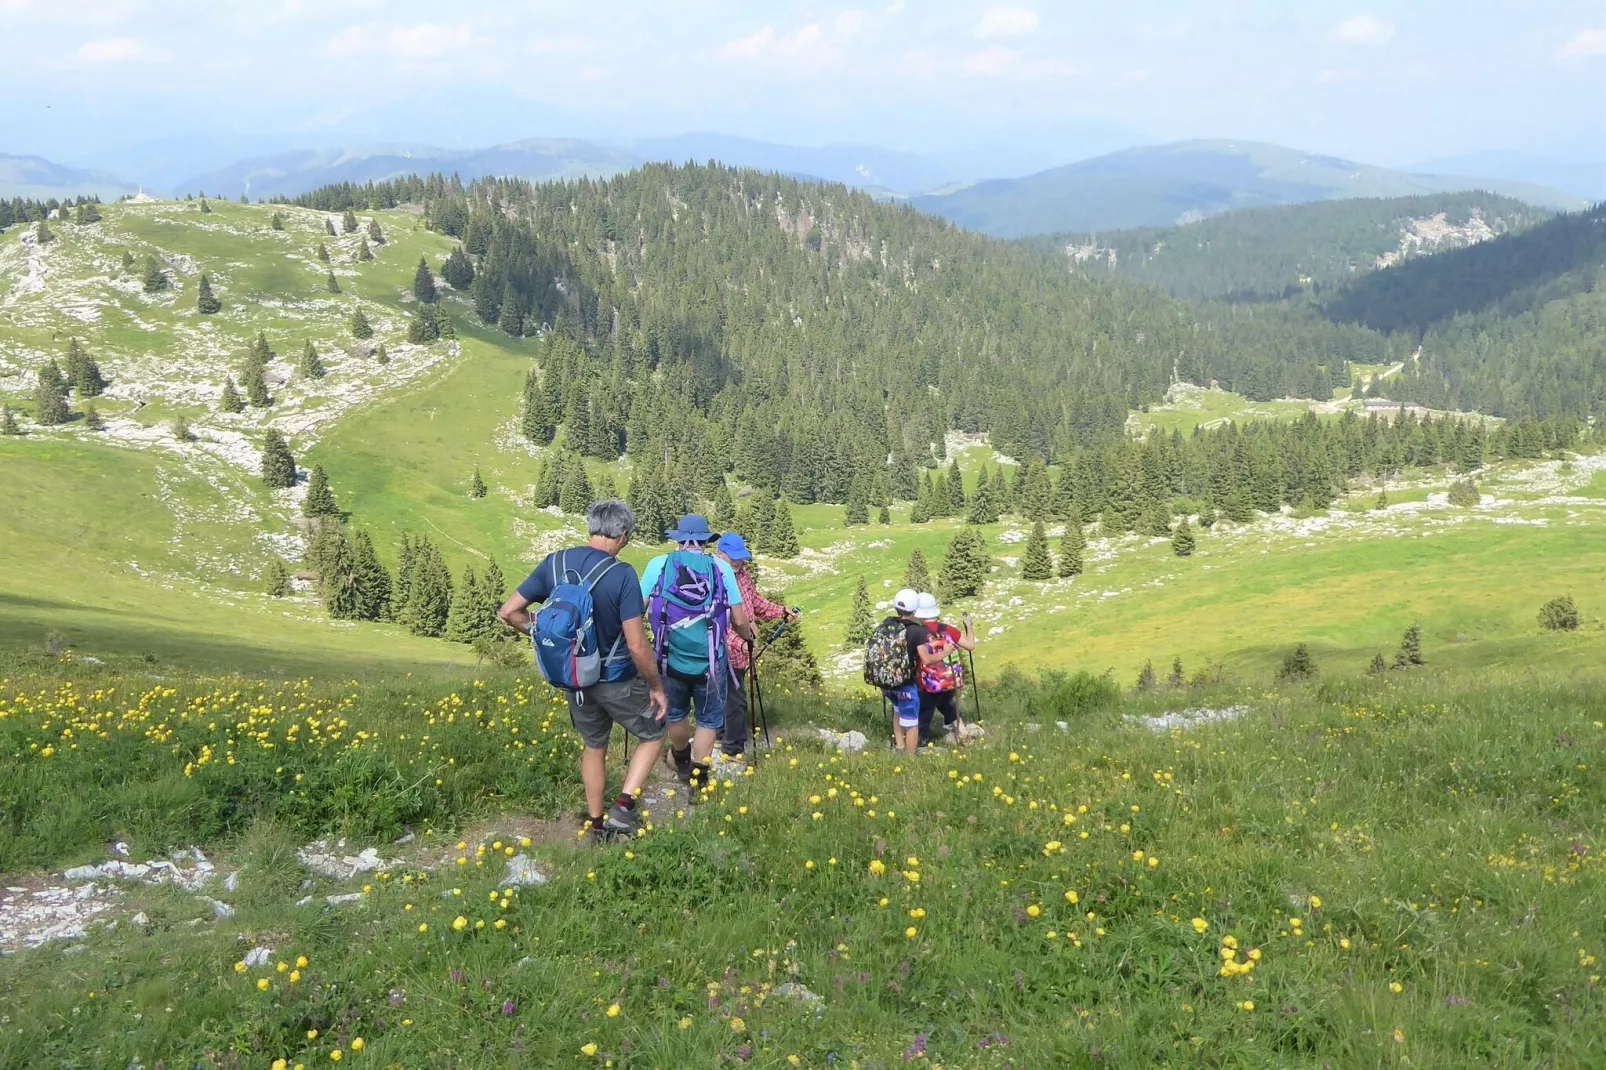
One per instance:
[(681, 763), (702, 774), (622, 821), (593, 834)]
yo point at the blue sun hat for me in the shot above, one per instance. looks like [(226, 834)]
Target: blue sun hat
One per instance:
[(733, 546), (693, 527)]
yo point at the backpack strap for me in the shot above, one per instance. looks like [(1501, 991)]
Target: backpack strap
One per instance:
[(599, 570)]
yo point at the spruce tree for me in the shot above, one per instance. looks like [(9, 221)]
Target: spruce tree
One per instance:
[(956, 492), (348, 222), (1410, 648), (375, 235), (964, 567), (1072, 544), (1146, 677), (50, 396), (8, 421), (476, 486), (276, 582), (424, 283), (429, 593), (462, 617), (510, 320), (917, 575), (762, 521), (311, 365), (155, 277), (231, 400), (884, 517), (329, 226), (206, 303), (205, 208), (493, 589), (256, 387), (128, 260), (783, 535), (724, 506), (360, 327), (337, 580), (423, 328), (323, 252), (1298, 665), (276, 221), (458, 270), (331, 283), (83, 373), (1157, 519), (182, 429), (42, 233), (371, 580), (88, 213), (92, 419), (537, 421), (1378, 666), (320, 500), (381, 355), (1036, 562), (982, 510), (260, 350), (278, 466), (574, 497), (1182, 539), (1464, 493), (858, 509), (861, 619), (399, 591), (364, 254), (1175, 680)]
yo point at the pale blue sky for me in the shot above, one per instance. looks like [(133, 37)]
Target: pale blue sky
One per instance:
[(1389, 83)]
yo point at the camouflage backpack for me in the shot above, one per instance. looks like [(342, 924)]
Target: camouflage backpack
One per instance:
[(886, 655)]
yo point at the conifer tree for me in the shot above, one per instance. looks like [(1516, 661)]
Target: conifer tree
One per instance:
[(364, 254), (493, 590), (278, 466), (783, 535), (276, 582), (956, 492), (155, 277), (276, 221), (360, 327), (1146, 677), (964, 567), (884, 517), (348, 222), (87, 212), (406, 562), (375, 235), (182, 429), (128, 260), (50, 396), (861, 619), (1036, 562), (424, 283), (311, 365), (256, 386), (205, 208), (462, 618), (458, 270), (83, 372), (1072, 544), (381, 355), (42, 233), (231, 400), (329, 226), (476, 486), (982, 510), (323, 252), (762, 521), (724, 506), (537, 421), (369, 577), (8, 421), (1175, 680), (1382, 500), (510, 320), (320, 500), (429, 594), (337, 579), (260, 351), (917, 574), (1157, 518), (423, 328), (575, 497), (1464, 493), (1298, 665), (858, 509), (1410, 648), (206, 303), (92, 419), (1182, 539), (331, 283), (1378, 666)]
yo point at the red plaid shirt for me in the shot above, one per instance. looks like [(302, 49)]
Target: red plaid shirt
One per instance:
[(758, 608)]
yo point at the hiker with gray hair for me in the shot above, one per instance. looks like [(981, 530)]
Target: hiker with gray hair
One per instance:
[(591, 643)]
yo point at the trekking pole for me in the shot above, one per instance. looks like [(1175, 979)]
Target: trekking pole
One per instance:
[(975, 682), (758, 701)]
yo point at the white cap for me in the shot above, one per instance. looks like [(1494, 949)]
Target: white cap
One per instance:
[(926, 606), (906, 600)]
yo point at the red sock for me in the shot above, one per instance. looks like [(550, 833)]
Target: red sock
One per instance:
[(626, 800)]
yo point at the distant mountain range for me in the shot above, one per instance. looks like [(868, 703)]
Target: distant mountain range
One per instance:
[(33, 176), (1158, 185), (1162, 185)]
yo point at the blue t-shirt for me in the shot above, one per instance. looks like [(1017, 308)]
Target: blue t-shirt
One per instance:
[(616, 596)]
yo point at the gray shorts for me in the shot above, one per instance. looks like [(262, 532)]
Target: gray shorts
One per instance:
[(599, 707)]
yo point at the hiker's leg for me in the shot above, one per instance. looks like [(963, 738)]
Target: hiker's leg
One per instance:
[(906, 708), (679, 693), (594, 772), (632, 708), (709, 698), (589, 715), (735, 734), (928, 704), (641, 765)]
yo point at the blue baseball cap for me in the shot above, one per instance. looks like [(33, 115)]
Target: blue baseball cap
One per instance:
[(733, 546)]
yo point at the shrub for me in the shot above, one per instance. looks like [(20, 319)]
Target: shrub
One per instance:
[(1464, 493), (1298, 665), (1061, 697), (1559, 614)]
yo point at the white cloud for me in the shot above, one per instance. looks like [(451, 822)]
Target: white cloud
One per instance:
[(990, 61), (1363, 30), (116, 50), (752, 46), (1589, 42), (424, 41), (996, 61), (805, 48), (1006, 22)]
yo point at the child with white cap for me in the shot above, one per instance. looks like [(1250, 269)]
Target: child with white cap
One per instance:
[(892, 663), (941, 677)]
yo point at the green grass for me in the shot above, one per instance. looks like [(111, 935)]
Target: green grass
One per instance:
[(1439, 833)]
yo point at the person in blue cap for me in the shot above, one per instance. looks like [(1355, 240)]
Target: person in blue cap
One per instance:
[(733, 549), (693, 601)]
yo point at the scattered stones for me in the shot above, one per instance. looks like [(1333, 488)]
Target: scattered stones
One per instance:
[(258, 956), (188, 869), (140, 921), (29, 918), (521, 870), (1188, 718), (850, 742), (801, 993), (322, 857), (220, 909), (336, 900)]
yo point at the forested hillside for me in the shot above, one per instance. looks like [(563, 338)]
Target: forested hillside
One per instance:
[(1266, 254)]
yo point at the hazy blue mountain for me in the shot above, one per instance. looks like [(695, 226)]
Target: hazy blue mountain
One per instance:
[(860, 166), (34, 176), (1581, 172), (290, 173), (1162, 185)]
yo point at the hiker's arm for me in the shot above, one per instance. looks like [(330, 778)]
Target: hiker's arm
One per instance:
[(931, 653), (515, 612), (966, 641), (743, 626), (635, 634), (763, 608)]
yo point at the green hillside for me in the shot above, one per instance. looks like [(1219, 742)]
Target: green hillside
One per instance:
[(1267, 254), (1166, 185)]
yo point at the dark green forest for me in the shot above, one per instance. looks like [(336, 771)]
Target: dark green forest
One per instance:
[(1269, 254)]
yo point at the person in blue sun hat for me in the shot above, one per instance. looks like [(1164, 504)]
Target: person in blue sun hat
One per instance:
[(693, 601), (733, 549)]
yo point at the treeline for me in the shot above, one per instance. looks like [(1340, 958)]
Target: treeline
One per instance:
[(1277, 253), (22, 210)]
